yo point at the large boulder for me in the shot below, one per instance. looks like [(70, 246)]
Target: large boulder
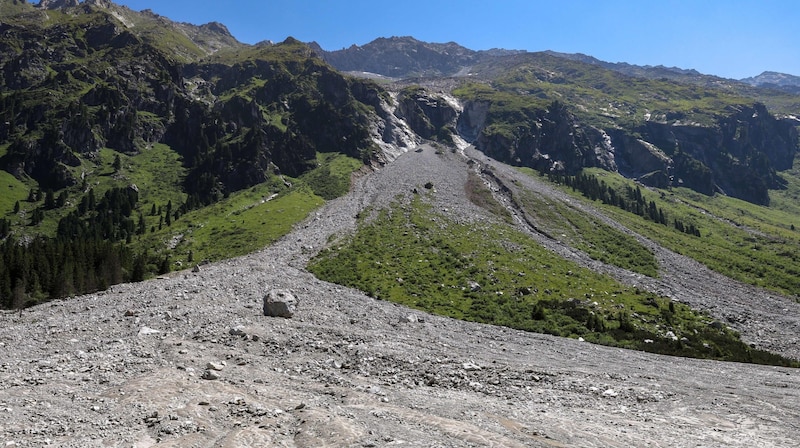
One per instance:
[(280, 303)]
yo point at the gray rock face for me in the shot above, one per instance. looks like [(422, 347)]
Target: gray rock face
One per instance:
[(280, 303), (57, 4)]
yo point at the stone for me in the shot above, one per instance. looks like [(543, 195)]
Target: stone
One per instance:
[(471, 366), (409, 319), (147, 331), (237, 331), (210, 375), (610, 393), (215, 366), (280, 303)]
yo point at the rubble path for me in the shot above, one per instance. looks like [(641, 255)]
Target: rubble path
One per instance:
[(126, 367)]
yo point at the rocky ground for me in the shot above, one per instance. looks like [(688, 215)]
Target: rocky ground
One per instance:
[(190, 361)]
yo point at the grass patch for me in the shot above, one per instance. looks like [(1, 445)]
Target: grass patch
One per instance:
[(331, 178), (746, 242), (597, 239), (13, 191), (494, 274), (244, 222)]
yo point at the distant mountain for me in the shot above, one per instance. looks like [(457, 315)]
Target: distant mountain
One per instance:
[(406, 57), (665, 126), (775, 80)]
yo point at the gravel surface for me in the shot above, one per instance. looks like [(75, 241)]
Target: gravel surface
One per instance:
[(190, 361)]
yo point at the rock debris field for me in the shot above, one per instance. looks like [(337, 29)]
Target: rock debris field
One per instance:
[(190, 360)]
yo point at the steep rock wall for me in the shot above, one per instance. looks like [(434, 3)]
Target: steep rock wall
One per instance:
[(739, 155)]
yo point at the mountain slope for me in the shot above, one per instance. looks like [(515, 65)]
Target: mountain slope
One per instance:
[(781, 81), (94, 98), (664, 127), (249, 124), (406, 57), (350, 370)]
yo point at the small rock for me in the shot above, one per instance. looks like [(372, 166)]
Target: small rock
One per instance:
[(210, 375), (409, 319), (471, 366), (147, 331), (610, 393), (215, 366), (237, 331)]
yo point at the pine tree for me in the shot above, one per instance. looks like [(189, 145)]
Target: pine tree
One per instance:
[(49, 200)]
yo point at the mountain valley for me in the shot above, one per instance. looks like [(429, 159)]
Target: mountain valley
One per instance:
[(484, 245)]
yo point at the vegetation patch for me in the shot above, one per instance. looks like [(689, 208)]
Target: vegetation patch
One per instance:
[(597, 239), (331, 178), (495, 274), (747, 242)]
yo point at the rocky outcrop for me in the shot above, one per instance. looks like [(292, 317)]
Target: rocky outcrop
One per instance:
[(639, 159), (739, 155), (547, 139), (58, 4), (430, 115), (46, 160)]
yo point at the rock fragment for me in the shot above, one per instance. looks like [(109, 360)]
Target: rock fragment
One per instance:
[(147, 331), (215, 366), (210, 375)]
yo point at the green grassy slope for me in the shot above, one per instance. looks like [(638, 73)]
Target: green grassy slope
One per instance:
[(494, 274)]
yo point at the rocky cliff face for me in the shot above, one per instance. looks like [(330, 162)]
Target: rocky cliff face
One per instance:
[(740, 155), (233, 119), (429, 115), (552, 140)]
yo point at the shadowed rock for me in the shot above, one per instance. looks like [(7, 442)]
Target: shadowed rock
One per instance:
[(280, 303)]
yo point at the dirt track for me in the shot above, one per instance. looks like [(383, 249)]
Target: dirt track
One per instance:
[(124, 367)]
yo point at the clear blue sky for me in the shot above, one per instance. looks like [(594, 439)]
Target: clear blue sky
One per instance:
[(729, 38)]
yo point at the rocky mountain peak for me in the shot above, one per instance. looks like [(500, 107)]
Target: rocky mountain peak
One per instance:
[(774, 79), (402, 57), (58, 4), (216, 27)]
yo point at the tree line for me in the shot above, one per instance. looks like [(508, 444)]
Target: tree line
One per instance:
[(89, 253), (629, 199)]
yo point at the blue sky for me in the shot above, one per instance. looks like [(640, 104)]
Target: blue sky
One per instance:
[(729, 38)]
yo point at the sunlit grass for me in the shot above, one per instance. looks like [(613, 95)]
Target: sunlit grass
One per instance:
[(495, 274)]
